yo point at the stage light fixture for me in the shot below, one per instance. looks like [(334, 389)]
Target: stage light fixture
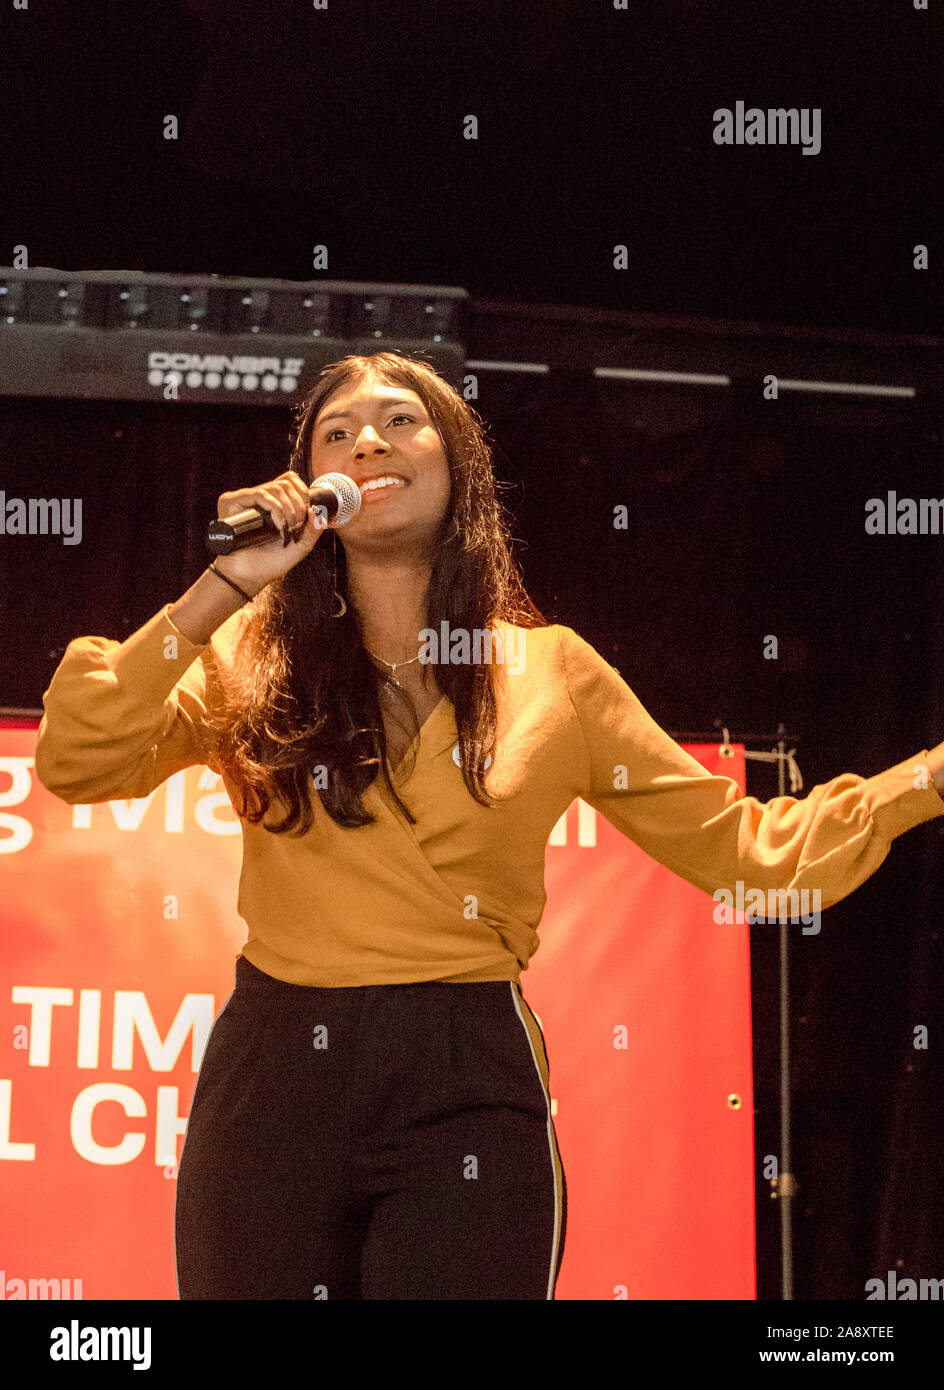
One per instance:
[(129, 335), (60, 302), (412, 317), (278, 311), (13, 300), (129, 306)]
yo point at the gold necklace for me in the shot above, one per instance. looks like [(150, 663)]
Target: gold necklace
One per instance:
[(392, 664)]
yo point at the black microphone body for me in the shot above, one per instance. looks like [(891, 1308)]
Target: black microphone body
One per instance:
[(335, 494)]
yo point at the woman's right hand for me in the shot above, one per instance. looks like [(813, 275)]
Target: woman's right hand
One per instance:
[(287, 501)]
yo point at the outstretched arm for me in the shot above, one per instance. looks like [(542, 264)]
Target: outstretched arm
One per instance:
[(704, 829)]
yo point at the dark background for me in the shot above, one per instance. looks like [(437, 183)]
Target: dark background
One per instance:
[(344, 127)]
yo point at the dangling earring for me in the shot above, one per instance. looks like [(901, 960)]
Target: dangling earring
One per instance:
[(334, 577)]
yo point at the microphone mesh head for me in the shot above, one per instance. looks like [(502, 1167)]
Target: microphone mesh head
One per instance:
[(348, 494)]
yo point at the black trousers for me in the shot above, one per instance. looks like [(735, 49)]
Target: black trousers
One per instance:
[(371, 1142)]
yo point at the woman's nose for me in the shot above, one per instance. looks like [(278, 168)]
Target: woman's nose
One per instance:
[(368, 439)]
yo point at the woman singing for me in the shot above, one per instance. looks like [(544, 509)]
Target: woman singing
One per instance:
[(399, 730)]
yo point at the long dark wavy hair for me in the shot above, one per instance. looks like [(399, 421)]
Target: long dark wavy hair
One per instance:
[(303, 692)]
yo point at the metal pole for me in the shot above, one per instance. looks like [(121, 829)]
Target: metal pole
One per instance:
[(785, 1185)]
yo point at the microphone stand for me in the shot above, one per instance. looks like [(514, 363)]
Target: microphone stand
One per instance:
[(784, 1185)]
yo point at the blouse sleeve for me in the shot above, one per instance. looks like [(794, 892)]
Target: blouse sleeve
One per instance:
[(121, 717), (702, 826)]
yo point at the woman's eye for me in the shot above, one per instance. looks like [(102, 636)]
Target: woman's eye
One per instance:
[(331, 433)]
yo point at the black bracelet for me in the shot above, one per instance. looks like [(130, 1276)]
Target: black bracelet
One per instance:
[(213, 570)]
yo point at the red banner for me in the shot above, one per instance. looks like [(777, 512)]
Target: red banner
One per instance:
[(120, 934)]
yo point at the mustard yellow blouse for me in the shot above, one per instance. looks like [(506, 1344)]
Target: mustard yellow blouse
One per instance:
[(459, 895)]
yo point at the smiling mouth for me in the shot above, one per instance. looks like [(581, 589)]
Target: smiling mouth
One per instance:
[(382, 487)]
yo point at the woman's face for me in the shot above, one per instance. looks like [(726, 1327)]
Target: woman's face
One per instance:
[(369, 431)]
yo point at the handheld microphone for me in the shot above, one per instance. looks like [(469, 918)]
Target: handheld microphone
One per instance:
[(336, 495)]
